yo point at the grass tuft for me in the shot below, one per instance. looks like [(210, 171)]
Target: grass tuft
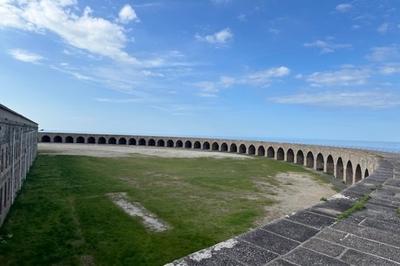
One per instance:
[(357, 206)]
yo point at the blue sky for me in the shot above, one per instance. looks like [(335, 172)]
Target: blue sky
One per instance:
[(230, 68)]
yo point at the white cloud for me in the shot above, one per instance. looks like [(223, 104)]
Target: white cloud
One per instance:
[(384, 53), (383, 28), (368, 99), (25, 56), (127, 14), (390, 69), (327, 46), (343, 8), (220, 37), (346, 76), (84, 31), (264, 77)]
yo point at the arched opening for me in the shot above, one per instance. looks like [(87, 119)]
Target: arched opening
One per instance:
[(300, 157), (310, 160), (80, 139), (349, 173), (330, 167), (270, 152), (142, 142), (366, 173), (215, 146), (170, 143), (290, 156), (160, 143), (179, 144), (339, 169), (206, 146), (280, 154), (252, 150), (132, 141), (358, 173), (188, 144), (112, 140), (233, 148), (242, 148), (102, 140), (197, 145), (261, 151), (57, 139), (122, 141), (224, 147), (320, 162), (152, 142), (45, 138), (69, 139), (91, 140)]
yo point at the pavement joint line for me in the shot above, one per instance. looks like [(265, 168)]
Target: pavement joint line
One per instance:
[(323, 215), (280, 258), (343, 252), (259, 247), (280, 235)]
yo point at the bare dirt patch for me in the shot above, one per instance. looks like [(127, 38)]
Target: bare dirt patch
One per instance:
[(296, 191), (135, 209), (126, 151)]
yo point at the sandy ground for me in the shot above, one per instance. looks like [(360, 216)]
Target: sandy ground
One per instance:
[(125, 151), (135, 209), (297, 191)]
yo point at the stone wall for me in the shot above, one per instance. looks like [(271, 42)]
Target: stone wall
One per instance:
[(18, 148), (348, 165)]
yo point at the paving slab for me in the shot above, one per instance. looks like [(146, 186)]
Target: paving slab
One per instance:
[(324, 247), (303, 256), (312, 219), (354, 257), (280, 262), (291, 230)]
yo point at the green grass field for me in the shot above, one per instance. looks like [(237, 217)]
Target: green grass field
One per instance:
[(63, 217)]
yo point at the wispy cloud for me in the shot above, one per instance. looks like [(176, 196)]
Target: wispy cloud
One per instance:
[(25, 56), (127, 14), (343, 8), (84, 31), (383, 28), (375, 99), (345, 76), (220, 37), (384, 53), (327, 46)]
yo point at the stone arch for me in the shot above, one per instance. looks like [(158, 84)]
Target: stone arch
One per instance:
[(320, 162), (349, 173), (122, 141), (179, 144), (233, 148), (132, 141), (330, 165), (215, 146), (242, 148), (188, 144), (91, 140), (339, 169), (300, 157), (270, 152), (224, 147), (261, 151), (366, 174), (142, 142), (358, 174), (197, 145), (69, 139), (102, 140), (280, 154), (151, 142), (112, 140), (80, 139), (170, 143), (310, 160), (160, 143), (206, 145), (57, 139), (252, 150), (45, 138), (290, 156)]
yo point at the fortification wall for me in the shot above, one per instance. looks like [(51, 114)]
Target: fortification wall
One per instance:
[(349, 165), (18, 148)]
